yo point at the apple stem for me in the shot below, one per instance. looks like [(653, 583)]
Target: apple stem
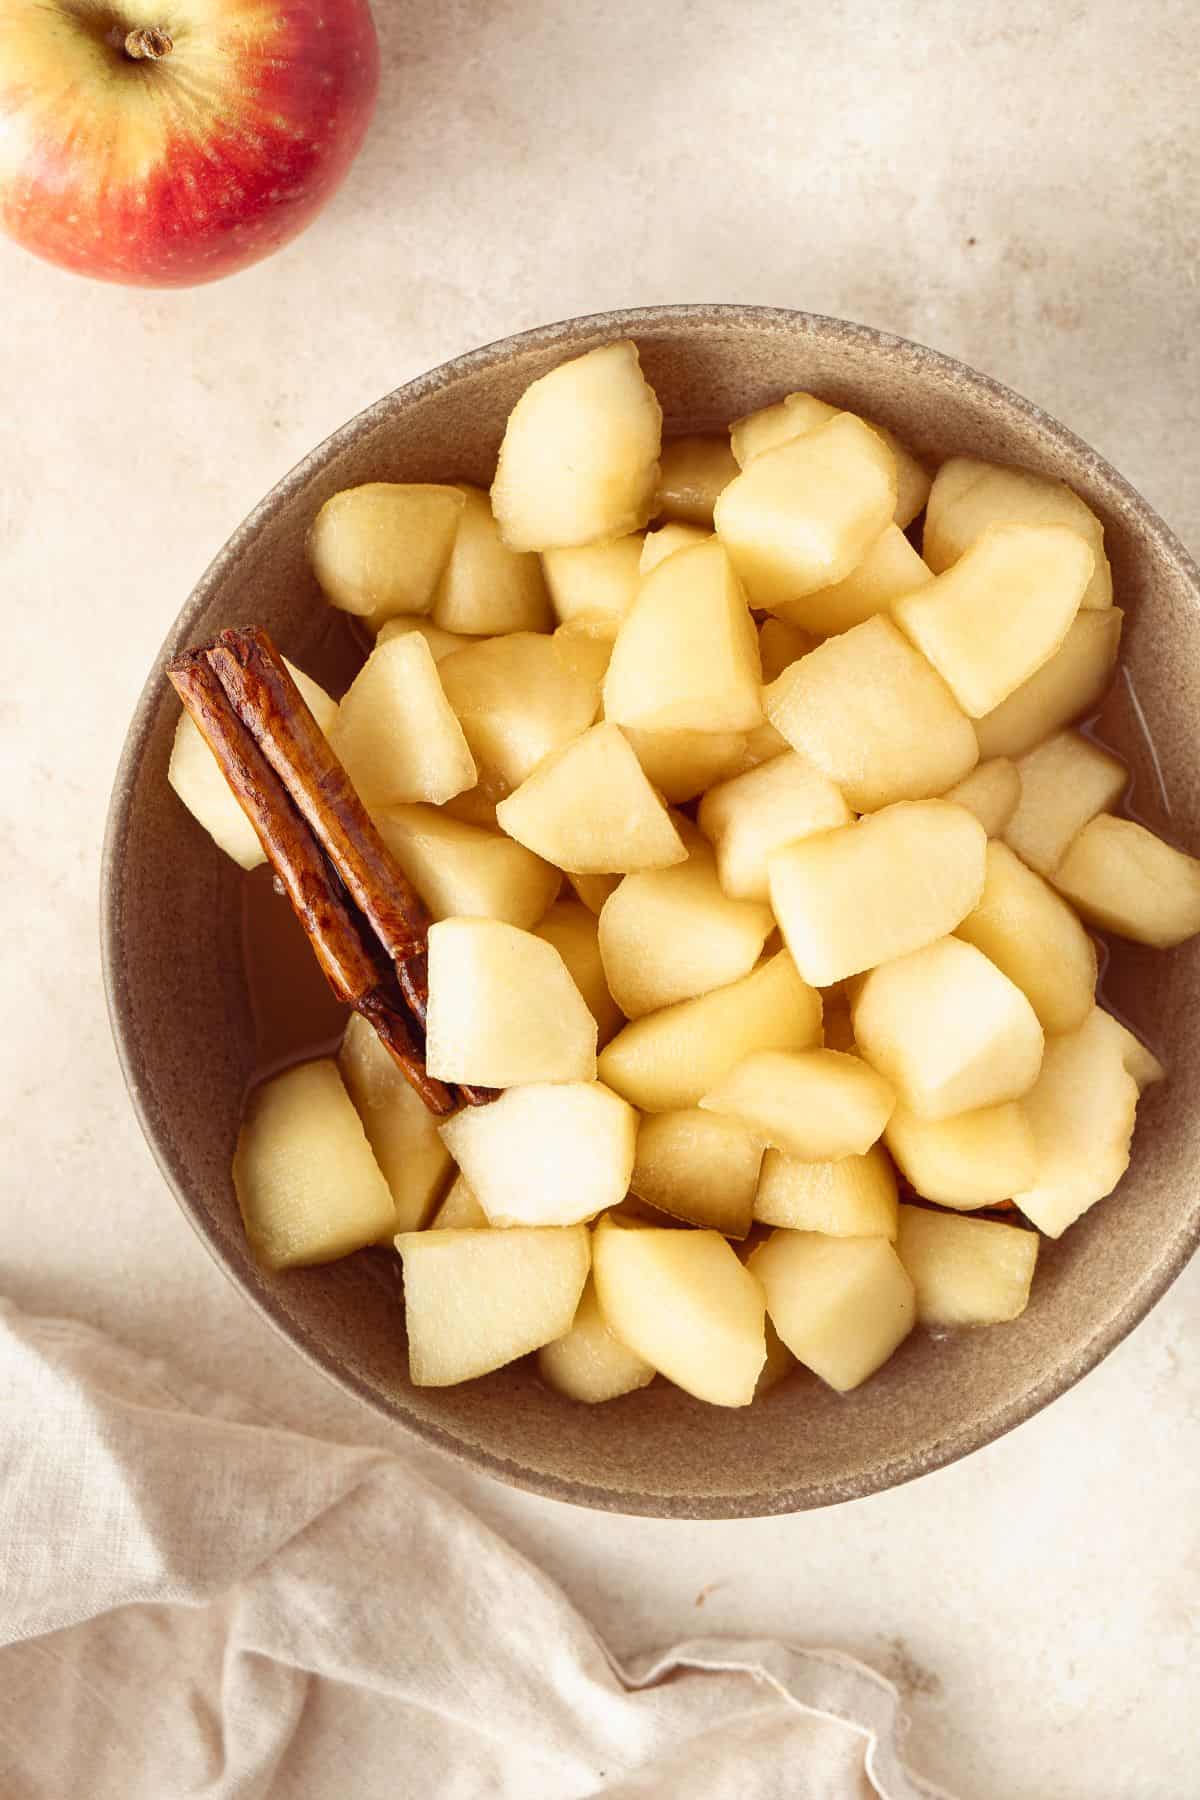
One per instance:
[(149, 44)]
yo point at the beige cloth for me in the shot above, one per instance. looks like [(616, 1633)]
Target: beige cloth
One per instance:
[(195, 1603)]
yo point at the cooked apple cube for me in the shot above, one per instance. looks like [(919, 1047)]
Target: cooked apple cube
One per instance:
[(667, 934), (763, 744), (546, 1154), (1082, 1114), (692, 472), (381, 548), (196, 777), (574, 932), (868, 710), (593, 890), (590, 1363), (400, 1128), (975, 1159), (1125, 879), (517, 699), (1072, 683), (747, 818), (307, 1182), (1030, 933), (460, 1210), (503, 1009), (992, 791), (817, 1105), (396, 734), (861, 894), (681, 764), (948, 1030), (967, 496), (800, 517), (1000, 612), (596, 583), (683, 1302), (699, 1167), (792, 417), (855, 1196), (589, 809), (463, 871), (780, 645), (579, 461), (966, 1271), (913, 479), (842, 1305), (1137, 1057), (686, 656), (658, 545), (585, 651), (1064, 782), (486, 587), (890, 569), (779, 1362), (441, 643), (475, 1300)]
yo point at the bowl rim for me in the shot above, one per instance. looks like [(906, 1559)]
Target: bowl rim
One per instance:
[(958, 1440)]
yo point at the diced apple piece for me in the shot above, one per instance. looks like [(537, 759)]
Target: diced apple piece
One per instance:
[(855, 1196), (968, 496), (747, 818), (595, 582), (579, 461), (817, 1105), (686, 656), (779, 1363), (913, 480), (992, 791), (477, 805), (693, 471), (1082, 1114), (574, 932), (1071, 684), (307, 1182), (681, 764), (396, 734), (460, 1210), (948, 1030), (800, 517), (966, 1271), (441, 643), (547, 1154), (517, 699), (590, 1363), (780, 645), (658, 545), (589, 809), (1030, 933), (381, 548), (462, 871), (594, 890), (802, 413), (683, 1302), (699, 1167), (842, 1305), (475, 1300), (890, 569), (976, 1159), (196, 777), (763, 744), (400, 1128), (1063, 783), (1137, 1057), (868, 710), (503, 1009), (1125, 879), (585, 651), (1000, 612), (861, 894), (669, 1059), (485, 587)]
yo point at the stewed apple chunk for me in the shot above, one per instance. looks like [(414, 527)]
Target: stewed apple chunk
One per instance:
[(967, 496), (890, 569), (682, 764), (692, 473), (748, 817), (308, 1185), (590, 1363), (683, 1302), (575, 933), (589, 809), (868, 710), (700, 1167), (1073, 682), (460, 1210), (517, 699), (1138, 1058), (579, 461), (1032, 934), (464, 871), (658, 545), (595, 584), (780, 645), (1063, 783), (842, 1305), (400, 1129), (396, 734), (503, 1008), (1081, 1111), (966, 1271), (380, 549), (992, 791), (1124, 879), (546, 1154), (485, 587), (948, 1030), (441, 643), (797, 414), (859, 895), (974, 1159), (475, 1300), (855, 1196), (817, 1105)]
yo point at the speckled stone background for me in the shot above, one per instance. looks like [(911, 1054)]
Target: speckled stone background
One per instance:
[(1017, 188)]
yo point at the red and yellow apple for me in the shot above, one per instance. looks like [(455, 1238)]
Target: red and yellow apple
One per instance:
[(162, 143)]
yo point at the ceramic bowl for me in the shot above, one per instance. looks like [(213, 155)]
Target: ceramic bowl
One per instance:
[(179, 1011)]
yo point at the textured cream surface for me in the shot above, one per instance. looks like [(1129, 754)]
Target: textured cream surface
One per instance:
[(1020, 191)]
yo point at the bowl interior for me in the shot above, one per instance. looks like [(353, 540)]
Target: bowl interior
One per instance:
[(180, 1014)]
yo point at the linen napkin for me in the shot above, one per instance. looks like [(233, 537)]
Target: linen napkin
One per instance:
[(196, 1603)]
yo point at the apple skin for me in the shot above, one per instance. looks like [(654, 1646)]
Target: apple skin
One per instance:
[(172, 170)]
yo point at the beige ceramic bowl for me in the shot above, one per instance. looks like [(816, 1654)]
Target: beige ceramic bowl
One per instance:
[(171, 950)]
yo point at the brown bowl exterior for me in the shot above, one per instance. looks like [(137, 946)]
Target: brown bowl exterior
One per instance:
[(179, 1012)]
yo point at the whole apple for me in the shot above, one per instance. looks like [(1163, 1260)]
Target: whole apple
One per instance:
[(167, 142)]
